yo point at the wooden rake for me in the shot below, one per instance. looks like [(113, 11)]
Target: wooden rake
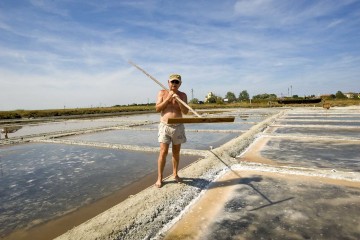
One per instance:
[(198, 119)]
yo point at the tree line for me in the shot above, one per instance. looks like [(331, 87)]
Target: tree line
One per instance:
[(230, 97), (244, 96)]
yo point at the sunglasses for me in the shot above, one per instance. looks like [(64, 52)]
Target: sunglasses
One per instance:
[(175, 82)]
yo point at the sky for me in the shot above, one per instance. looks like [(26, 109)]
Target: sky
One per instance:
[(58, 54)]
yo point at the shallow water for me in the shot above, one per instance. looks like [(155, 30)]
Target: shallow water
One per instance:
[(58, 126), (324, 154), (332, 117), (195, 140), (40, 181), (323, 114), (344, 133), (79, 124), (208, 126), (335, 123)]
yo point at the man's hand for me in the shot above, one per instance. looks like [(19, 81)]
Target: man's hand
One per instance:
[(171, 96)]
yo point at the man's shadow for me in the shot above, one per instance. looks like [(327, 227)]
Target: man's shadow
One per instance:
[(248, 182), (206, 184), (199, 183)]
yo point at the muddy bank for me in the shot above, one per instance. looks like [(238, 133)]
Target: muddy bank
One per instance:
[(143, 215)]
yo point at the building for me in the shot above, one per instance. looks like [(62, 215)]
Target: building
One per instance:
[(352, 95), (208, 96)]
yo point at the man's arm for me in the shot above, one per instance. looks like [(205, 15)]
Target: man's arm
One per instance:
[(183, 109), (161, 103)]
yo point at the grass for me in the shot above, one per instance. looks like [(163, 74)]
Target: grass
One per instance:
[(22, 114), (76, 112)]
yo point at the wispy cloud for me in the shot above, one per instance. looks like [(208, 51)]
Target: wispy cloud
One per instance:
[(55, 53), (49, 7)]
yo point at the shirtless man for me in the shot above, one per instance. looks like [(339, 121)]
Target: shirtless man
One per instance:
[(170, 133)]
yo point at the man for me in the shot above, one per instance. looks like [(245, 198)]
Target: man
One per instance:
[(170, 133)]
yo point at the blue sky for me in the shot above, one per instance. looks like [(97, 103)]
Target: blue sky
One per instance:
[(72, 53)]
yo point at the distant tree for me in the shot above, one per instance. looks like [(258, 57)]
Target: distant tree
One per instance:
[(194, 101), (295, 96), (265, 96), (230, 96), (244, 96), (214, 99), (219, 100), (340, 95), (272, 96), (211, 99)]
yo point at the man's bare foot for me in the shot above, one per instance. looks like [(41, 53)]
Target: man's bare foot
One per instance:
[(178, 179), (158, 184)]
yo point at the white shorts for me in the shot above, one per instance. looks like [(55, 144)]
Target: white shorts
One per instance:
[(171, 133)]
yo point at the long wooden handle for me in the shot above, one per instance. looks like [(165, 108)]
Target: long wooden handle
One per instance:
[(154, 79)]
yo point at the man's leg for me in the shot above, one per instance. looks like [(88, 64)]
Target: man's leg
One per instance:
[(175, 161), (164, 148)]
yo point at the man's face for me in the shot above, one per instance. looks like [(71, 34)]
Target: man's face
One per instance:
[(174, 84)]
